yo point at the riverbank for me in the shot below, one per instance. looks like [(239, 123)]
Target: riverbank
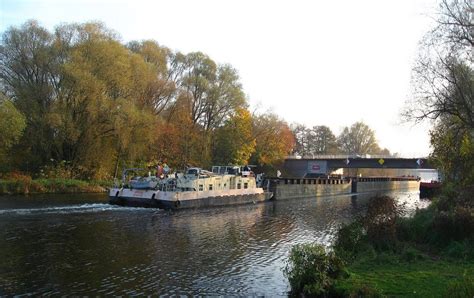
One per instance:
[(386, 253), (25, 185), (409, 274)]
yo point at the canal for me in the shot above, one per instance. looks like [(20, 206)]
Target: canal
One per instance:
[(80, 245)]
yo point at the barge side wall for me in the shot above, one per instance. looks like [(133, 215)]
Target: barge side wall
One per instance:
[(296, 188)]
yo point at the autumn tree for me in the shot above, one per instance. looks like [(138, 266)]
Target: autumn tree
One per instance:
[(96, 105), (160, 90), (275, 140), (29, 75), (12, 124), (79, 89), (102, 109), (179, 141), (234, 141)]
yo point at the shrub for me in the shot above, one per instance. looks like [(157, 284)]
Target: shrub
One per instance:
[(380, 222), (365, 290), (454, 225), (417, 228), (460, 288), (455, 196), (410, 254), (460, 249), (349, 240), (312, 271), (16, 182)]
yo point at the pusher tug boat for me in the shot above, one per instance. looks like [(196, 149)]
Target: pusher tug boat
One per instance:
[(430, 189), (224, 185)]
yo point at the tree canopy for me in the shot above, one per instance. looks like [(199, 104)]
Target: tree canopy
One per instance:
[(359, 138), (95, 104)]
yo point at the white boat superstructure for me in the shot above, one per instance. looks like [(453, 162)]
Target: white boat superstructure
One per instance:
[(224, 185)]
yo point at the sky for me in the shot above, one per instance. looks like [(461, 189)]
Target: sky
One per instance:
[(311, 62)]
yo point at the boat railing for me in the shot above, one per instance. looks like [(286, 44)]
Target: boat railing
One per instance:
[(167, 186)]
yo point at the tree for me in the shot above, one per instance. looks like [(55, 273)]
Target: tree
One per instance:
[(160, 91), (12, 124), (443, 81), (300, 132), (358, 139), (29, 74), (226, 98), (442, 75), (179, 141), (274, 140), (99, 110), (321, 140), (234, 142), (85, 96), (453, 150)]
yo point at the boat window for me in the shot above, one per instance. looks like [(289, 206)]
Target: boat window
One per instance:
[(192, 171), (238, 186), (201, 187), (222, 170), (210, 186), (215, 170), (246, 185)]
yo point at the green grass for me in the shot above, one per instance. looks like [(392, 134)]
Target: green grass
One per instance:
[(51, 185), (432, 256), (423, 277)]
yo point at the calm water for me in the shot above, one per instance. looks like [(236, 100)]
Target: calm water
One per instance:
[(63, 244)]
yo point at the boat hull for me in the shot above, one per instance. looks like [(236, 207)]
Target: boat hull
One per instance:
[(186, 199), (429, 189)]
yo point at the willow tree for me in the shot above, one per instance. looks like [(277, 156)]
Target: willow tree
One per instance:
[(103, 117), (29, 75), (160, 91), (85, 96), (12, 125)]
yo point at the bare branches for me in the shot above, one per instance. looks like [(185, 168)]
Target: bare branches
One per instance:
[(443, 74)]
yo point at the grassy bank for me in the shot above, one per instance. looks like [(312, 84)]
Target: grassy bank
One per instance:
[(384, 253), (26, 185), (394, 275)]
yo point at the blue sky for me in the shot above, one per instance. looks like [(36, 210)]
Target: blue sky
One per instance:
[(313, 62)]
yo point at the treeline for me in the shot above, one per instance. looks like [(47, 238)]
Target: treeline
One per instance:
[(77, 102), (359, 138)]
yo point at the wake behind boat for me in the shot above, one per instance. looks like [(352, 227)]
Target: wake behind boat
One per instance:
[(224, 185)]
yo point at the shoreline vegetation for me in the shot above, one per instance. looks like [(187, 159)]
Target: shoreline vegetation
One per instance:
[(25, 185), (384, 253)]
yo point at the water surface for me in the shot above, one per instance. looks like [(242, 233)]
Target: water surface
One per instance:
[(80, 245)]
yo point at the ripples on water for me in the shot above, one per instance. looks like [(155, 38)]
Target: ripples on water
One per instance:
[(81, 245)]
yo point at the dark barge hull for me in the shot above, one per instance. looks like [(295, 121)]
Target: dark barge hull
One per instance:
[(194, 203), (429, 189)]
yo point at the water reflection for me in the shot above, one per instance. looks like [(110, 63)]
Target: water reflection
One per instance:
[(77, 246)]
